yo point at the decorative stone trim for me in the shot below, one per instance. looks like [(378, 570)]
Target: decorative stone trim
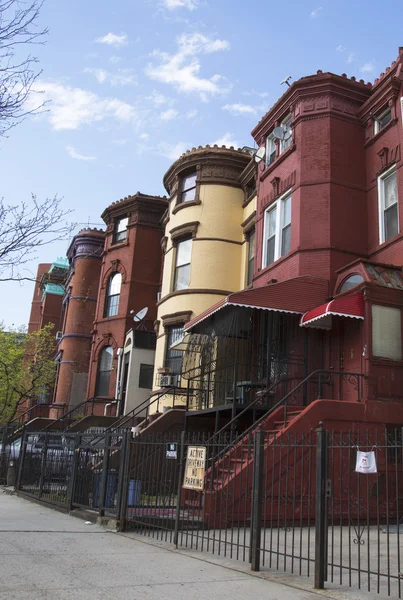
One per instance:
[(178, 318), (164, 242), (249, 225), (214, 165), (194, 291), (278, 190), (183, 231), (181, 205), (116, 266)]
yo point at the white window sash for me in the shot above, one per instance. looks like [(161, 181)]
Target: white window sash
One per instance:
[(381, 203), (284, 144), (279, 228)]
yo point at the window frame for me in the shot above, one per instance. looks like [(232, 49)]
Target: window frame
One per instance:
[(110, 298), (279, 228), (117, 233), (186, 190), (250, 262), (145, 368), (397, 310), (381, 204), (177, 267), (98, 380), (176, 332), (377, 126), (285, 144), (270, 141)]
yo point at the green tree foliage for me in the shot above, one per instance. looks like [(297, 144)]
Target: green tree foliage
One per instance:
[(27, 368)]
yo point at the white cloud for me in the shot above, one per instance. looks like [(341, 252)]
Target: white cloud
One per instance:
[(159, 99), (144, 136), (367, 68), (191, 114), (74, 154), (169, 114), (182, 69), (173, 4), (173, 151), (241, 109), (350, 57), (255, 93), (122, 77), (70, 108), (341, 48), (315, 12), (227, 140), (114, 59), (119, 142), (112, 39)]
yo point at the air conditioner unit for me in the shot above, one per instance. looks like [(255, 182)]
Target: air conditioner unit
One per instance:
[(159, 295), (59, 335), (167, 380)]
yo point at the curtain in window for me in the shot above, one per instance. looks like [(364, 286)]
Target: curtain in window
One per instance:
[(386, 332)]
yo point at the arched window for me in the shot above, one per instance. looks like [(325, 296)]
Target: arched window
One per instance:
[(351, 282), (104, 371), (113, 295)]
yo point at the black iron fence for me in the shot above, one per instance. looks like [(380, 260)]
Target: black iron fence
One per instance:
[(324, 505), (291, 503), (74, 470)]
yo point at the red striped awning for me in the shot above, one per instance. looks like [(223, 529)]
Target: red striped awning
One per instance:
[(294, 295), (344, 306)]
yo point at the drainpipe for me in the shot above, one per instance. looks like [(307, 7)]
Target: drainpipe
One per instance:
[(117, 389)]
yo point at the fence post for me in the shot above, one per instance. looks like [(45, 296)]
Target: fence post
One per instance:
[(23, 452), (257, 493), (179, 490), (123, 492), (321, 508), (103, 488), (43, 466), (74, 469)]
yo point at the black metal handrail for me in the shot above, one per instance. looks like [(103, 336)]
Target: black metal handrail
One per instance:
[(135, 412), (79, 409), (323, 378)]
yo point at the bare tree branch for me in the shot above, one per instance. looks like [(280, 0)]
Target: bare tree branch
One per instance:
[(26, 228), (18, 27)]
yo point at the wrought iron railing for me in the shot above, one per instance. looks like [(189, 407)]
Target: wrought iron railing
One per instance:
[(92, 406)]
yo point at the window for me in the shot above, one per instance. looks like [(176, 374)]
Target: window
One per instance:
[(113, 295), (386, 332), (120, 232), (351, 282), (182, 265), (388, 206), (173, 358), (188, 187), (270, 149), (104, 371), (286, 141), (277, 230), (381, 120), (251, 257), (146, 376), (251, 188)]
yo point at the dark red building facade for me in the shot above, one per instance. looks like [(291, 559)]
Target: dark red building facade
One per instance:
[(129, 281), (77, 317)]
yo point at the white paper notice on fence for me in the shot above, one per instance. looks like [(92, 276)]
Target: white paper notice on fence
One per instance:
[(366, 462)]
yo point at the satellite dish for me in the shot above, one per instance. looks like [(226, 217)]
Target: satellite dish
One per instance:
[(140, 315), (260, 154), (279, 133)]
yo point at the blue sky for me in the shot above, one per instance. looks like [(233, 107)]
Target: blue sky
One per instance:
[(134, 83)]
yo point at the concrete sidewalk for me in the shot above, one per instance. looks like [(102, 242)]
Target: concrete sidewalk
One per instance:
[(45, 555)]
